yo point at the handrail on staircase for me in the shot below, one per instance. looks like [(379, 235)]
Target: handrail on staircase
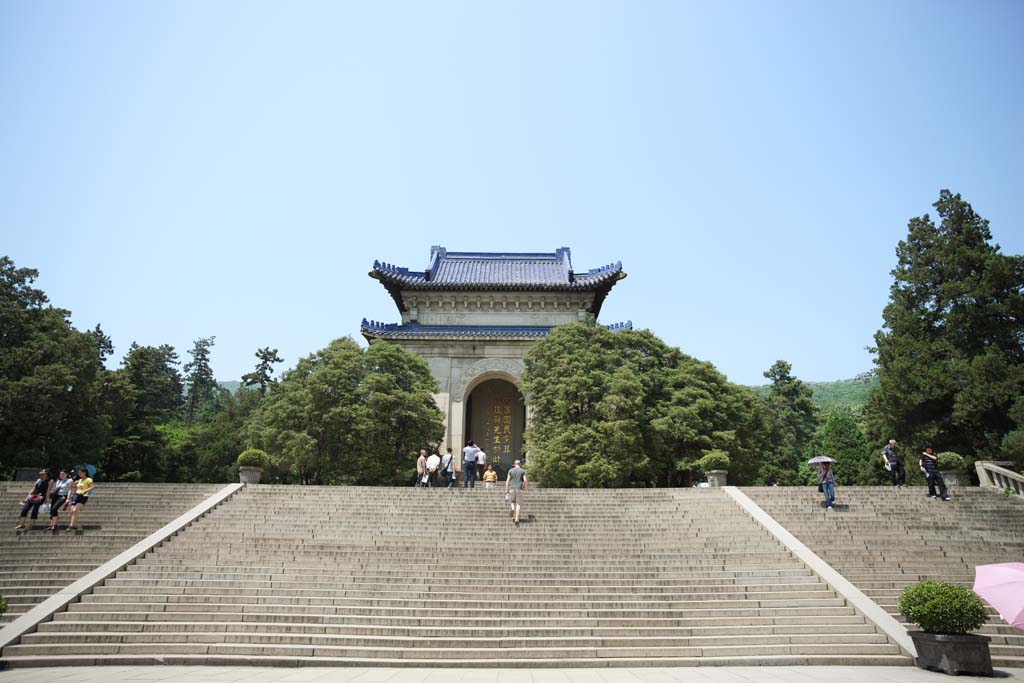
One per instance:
[(994, 474)]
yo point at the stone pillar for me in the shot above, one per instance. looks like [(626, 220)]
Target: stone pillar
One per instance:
[(456, 430)]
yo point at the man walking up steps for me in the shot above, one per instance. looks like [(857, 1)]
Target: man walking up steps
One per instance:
[(515, 485)]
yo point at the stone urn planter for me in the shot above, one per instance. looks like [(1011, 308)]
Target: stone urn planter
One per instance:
[(249, 475), (717, 478), (953, 477), (946, 614), (959, 654)]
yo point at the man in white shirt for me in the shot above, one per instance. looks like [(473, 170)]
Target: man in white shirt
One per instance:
[(469, 465), (481, 464), (433, 462)]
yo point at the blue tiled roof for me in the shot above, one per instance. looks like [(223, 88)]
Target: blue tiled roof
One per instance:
[(504, 270), (372, 329)]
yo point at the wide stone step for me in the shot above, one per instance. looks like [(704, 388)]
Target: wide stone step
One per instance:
[(740, 628), (470, 652), (453, 662)]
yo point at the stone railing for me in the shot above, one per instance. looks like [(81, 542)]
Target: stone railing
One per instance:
[(995, 475)]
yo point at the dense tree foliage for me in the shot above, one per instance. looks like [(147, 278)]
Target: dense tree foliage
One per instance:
[(950, 356), (841, 438), (51, 377), (611, 408), (349, 415)]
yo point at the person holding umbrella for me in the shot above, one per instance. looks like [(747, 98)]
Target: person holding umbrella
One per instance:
[(826, 479)]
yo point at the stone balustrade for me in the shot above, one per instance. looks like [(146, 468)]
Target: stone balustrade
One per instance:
[(996, 475)]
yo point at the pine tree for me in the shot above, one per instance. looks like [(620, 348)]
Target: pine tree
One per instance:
[(263, 375), (202, 387), (950, 355)]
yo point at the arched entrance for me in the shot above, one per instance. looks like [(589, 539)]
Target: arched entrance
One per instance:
[(495, 420)]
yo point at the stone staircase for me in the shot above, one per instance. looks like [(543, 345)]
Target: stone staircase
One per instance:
[(884, 539), (432, 577), (37, 563)]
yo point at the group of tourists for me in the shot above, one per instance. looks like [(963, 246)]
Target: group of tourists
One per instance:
[(474, 467), (928, 464), (54, 493)]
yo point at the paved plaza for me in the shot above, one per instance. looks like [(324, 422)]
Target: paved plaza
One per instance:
[(710, 674)]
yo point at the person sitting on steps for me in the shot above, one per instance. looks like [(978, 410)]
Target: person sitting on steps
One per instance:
[(40, 491), (58, 496), (83, 489)]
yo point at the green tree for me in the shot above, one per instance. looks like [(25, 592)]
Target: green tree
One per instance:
[(950, 356), (791, 421), (840, 437), (51, 378), (610, 408), (199, 382), (263, 375), (348, 415), (144, 393)]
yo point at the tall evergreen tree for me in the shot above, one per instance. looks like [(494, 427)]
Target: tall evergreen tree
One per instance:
[(792, 420), (950, 356), (263, 375), (144, 394), (199, 380), (840, 437)]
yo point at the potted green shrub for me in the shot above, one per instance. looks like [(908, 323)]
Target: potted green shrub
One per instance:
[(3, 605), (251, 463), (951, 465), (715, 466), (947, 613)]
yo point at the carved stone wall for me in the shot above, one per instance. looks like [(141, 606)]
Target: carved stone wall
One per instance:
[(485, 368)]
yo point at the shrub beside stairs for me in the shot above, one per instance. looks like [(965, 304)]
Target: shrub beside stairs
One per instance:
[(430, 577)]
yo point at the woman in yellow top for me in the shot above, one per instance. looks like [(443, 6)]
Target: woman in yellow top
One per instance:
[(83, 487), (490, 477)]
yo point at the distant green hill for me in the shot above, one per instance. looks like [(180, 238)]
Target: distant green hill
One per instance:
[(231, 386), (845, 393)]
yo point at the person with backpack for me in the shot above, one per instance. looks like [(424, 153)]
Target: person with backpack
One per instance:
[(40, 491), (929, 464), (448, 469)]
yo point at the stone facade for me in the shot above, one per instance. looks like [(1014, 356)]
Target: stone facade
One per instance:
[(472, 316)]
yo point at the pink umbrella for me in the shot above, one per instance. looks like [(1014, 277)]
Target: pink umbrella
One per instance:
[(1002, 586)]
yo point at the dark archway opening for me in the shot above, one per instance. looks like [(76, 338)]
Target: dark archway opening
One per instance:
[(496, 420)]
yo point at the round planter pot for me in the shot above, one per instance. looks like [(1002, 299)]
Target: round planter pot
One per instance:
[(953, 477), (964, 654), (249, 475), (717, 477)]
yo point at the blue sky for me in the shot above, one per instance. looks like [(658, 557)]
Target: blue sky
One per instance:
[(179, 169)]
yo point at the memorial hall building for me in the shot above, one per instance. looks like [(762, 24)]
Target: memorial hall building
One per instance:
[(472, 316)]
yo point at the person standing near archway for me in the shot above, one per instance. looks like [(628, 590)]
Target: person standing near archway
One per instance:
[(469, 465)]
